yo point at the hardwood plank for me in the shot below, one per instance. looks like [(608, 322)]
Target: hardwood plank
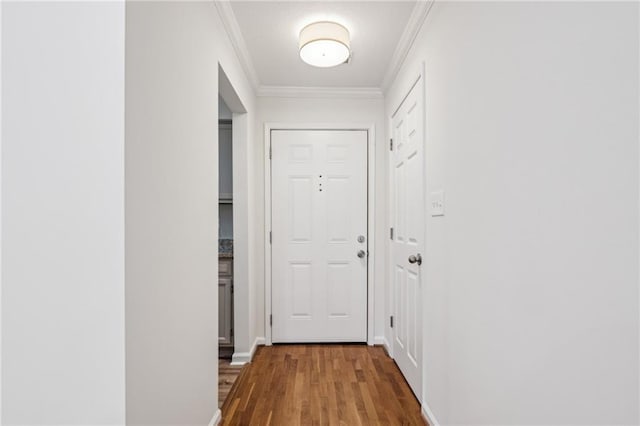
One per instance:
[(321, 385), (227, 375)]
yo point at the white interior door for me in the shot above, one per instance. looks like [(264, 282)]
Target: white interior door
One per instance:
[(319, 229), (408, 215)]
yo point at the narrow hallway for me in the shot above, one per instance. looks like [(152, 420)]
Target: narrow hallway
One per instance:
[(321, 384), (440, 199)]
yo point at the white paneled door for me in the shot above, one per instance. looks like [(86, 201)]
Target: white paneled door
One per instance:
[(408, 216), (319, 235)]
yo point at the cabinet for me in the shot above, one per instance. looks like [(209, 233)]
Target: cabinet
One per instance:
[(225, 302)]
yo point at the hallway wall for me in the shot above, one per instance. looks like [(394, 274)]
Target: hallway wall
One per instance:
[(531, 306), (63, 213), (172, 55), (292, 110)]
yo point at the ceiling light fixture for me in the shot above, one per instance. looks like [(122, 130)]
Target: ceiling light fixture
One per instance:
[(324, 44)]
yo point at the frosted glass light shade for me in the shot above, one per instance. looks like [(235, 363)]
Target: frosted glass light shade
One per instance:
[(324, 44)]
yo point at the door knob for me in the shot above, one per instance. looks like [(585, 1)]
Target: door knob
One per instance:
[(361, 254), (415, 259)]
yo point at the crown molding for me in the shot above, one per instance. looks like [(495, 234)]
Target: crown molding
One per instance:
[(319, 92), (237, 41), (416, 20)]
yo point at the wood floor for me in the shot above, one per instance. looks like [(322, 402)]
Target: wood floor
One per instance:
[(321, 385), (227, 375)]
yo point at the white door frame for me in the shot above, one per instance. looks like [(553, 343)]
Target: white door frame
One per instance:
[(370, 129)]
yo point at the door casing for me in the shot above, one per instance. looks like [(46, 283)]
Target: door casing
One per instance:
[(370, 129)]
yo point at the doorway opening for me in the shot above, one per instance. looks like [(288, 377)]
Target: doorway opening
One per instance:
[(233, 235), (225, 231)]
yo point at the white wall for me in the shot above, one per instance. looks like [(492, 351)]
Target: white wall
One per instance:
[(324, 110), (63, 213), (531, 308), (173, 51), (1, 243)]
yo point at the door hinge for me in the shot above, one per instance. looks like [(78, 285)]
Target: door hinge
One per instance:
[(391, 233), (270, 153), (231, 332), (270, 237), (391, 321), (270, 319), (391, 144)]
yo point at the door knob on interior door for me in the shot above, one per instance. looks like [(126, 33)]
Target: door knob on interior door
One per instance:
[(416, 259), (361, 254)]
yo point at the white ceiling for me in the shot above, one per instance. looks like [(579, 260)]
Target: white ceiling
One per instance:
[(270, 31)]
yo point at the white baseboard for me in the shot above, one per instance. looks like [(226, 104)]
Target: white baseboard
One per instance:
[(241, 358), (378, 340), (260, 341), (387, 346), (217, 417), (428, 415)]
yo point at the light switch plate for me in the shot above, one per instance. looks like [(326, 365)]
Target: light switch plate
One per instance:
[(437, 203)]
